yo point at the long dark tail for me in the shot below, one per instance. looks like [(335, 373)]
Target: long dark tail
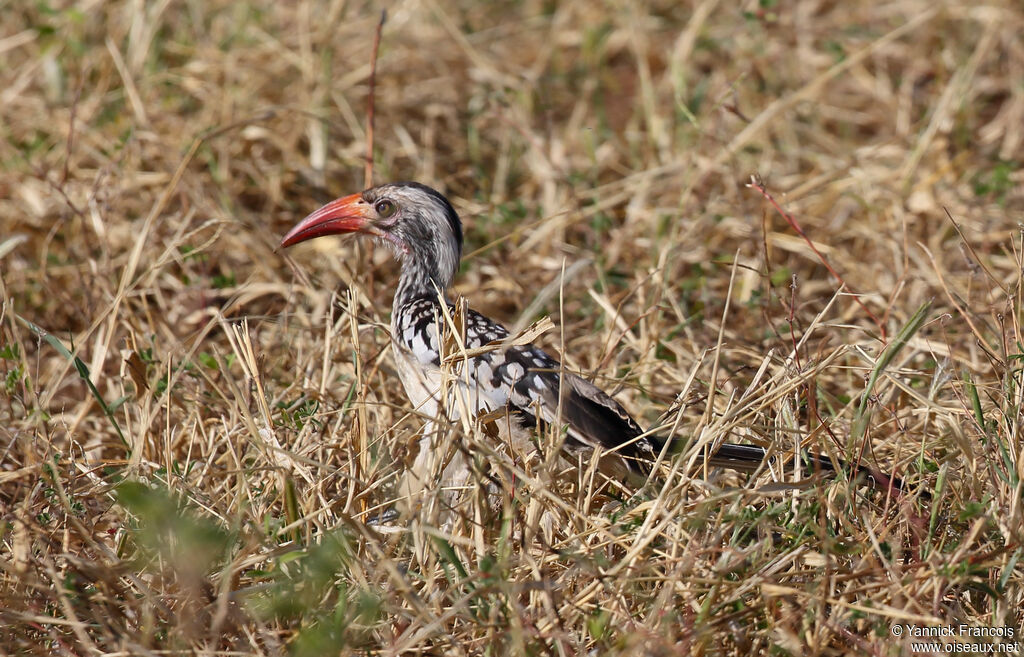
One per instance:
[(748, 458)]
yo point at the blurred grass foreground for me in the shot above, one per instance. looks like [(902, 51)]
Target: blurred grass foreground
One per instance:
[(197, 428)]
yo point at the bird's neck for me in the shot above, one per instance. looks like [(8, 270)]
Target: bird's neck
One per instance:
[(421, 278)]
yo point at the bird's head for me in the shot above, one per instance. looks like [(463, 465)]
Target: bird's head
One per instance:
[(417, 222)]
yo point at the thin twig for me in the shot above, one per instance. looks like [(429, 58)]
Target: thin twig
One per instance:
[(71, 137), (974, 254)]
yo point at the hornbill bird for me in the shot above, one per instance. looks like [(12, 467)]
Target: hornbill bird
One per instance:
[(424, 232)]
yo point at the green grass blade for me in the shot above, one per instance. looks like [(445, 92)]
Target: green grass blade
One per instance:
[(913, 325), (83, 372)]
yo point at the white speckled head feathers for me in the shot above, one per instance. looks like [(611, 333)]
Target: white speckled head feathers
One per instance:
[(425, 233)]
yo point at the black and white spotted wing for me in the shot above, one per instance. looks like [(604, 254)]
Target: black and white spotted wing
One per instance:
[(528, 382)]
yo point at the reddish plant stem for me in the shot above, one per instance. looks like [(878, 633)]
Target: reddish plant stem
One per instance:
[(368, 171), (756, 184)]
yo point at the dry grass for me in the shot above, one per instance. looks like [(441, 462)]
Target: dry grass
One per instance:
[(154, 153)]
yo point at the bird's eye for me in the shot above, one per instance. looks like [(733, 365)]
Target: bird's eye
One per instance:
[(385, 208)]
